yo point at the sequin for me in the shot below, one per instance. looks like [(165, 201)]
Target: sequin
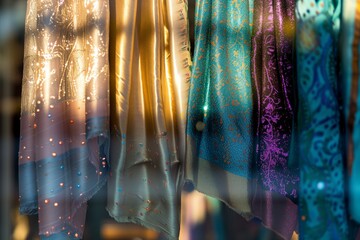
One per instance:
[(60, 72)]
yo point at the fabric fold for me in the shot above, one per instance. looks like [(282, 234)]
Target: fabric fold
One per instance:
[(274, 76), (273, 72), (63, 156), (219, 125), (150, 69), (322, 184)]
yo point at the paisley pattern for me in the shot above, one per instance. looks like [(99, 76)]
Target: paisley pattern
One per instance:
[(322, 202), (273, 72), (63, 156), (220, 107), (220, 97), (220, 128)]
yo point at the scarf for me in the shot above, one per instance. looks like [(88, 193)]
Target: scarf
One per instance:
[(322, 188), (149, 86), (63, 157)]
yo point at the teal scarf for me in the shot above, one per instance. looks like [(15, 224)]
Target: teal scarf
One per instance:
[(322, 202)]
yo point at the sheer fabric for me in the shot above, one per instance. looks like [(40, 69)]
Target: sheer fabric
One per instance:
[(322, 197), (240, 126), (273, 72), (150, 65), (274, 79), (64, 116), (220, 128)]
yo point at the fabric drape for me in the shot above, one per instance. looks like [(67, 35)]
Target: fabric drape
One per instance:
[(149, 85), (350, 39), (220, 128), (273, 72), (322, 197), (64, 116), (274, 79)]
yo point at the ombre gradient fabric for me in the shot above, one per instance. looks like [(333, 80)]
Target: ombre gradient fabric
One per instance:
[(273, 72), (350, 39), (322, 200), (149, 87), (64, 116)]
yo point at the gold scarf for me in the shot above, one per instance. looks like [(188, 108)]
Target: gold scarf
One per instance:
[(150, 73)]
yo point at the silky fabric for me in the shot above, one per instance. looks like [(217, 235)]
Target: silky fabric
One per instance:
[(220, 127), (273, 72), (149, 86), (274, 79), (322, 200), (350, 39), (64, 115)]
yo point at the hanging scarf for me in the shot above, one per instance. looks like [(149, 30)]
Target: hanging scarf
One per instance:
[(273, 73), (64, 116), (150, 65), (322, 202), (219, 127), (350, 40)]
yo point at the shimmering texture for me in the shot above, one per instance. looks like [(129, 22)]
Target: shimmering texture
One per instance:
[(273, 72), (350, 41), (149, 90), (66, 59), (220, 96), (220, 127), (321, 160), (274, 79)]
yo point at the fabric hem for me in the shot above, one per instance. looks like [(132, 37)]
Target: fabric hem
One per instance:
[(247, 216), (141, 222), (253, 203)]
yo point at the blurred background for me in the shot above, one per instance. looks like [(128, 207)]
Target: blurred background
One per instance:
[(202, 217)]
